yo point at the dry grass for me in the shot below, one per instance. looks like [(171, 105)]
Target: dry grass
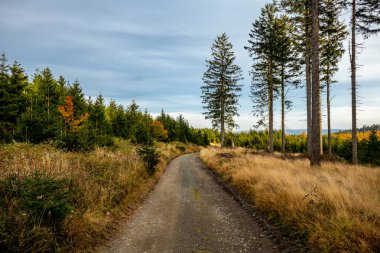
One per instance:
[(106, 184), (337, 206)]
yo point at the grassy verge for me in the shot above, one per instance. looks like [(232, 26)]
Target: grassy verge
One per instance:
[(335, 207), (69, 201)]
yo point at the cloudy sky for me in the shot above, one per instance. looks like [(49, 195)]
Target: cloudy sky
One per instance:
[(154, 52)]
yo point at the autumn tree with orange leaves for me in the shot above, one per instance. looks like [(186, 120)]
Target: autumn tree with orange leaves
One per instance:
[(67, 114), (159, 130)]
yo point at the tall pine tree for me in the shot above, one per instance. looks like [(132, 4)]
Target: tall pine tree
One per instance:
[(365, 18), (289, 60), (300, 11), (221, 90), (333, 33), (264, 48)]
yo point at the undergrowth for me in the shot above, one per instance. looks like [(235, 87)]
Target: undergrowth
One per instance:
[(335, 207), (52, 200)]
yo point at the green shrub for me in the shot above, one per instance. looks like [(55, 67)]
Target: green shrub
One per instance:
[(181, 148), (32, 211), (150, 155)]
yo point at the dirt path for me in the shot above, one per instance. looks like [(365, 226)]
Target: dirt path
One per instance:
[(189, 212)]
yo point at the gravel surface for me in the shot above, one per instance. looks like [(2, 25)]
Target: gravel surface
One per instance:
[(189, 211)]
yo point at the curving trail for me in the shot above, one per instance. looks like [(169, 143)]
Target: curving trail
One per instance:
[(189, 212)]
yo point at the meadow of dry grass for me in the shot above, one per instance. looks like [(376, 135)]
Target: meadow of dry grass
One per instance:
[(106, 184), (336, 207)]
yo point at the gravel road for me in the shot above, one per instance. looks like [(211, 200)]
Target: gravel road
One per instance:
[(189, 212)]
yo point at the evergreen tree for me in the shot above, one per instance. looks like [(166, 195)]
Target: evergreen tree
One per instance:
[(365, 18), (220, 92), (111, 115), (75, 91), (4, 83), (371, 149), (333, 33), (119, 124), (133, 116), (264, 49), (62, 89), (49, 96), (300, 11), (41, 120), (16, 100), (182, 129), (289, 66), (144, 133), (368, 16), (13, 81), (98, 116)]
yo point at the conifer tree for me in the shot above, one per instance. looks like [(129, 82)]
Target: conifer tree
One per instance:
[(120, 122), (16, 99), (288, 60), (221, 90), (365, 18), (98, 116), (62, 89), (48, 96), (264, 50), (75, 91), (4, 83), (300, 12), (368, 17), (333, 33), (111, 115), (182, 129), (144, 133), (41, 120), (133, 116)]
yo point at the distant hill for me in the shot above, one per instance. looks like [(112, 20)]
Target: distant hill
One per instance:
[(369, 128), (300, 131), (324, 131)]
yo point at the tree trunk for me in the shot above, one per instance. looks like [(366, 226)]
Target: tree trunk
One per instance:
[(308, 84), (270, 109), (222, 130), (316, 141), (308, 102), (282, 111), (320, 125), (353, 84), (328, 117)]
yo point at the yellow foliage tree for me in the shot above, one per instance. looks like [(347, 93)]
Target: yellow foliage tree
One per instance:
[(67, 114), (159, 130)]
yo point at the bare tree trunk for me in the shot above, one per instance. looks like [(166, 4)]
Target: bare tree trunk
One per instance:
[(270, 110), (308, 78), (308, 101), (328, 100), (316, 141), (353, 84), (282, 111), (320, 125), (222, 130)]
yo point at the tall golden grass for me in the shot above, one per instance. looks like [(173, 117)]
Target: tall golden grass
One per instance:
[(336, 206), (106, 183)]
